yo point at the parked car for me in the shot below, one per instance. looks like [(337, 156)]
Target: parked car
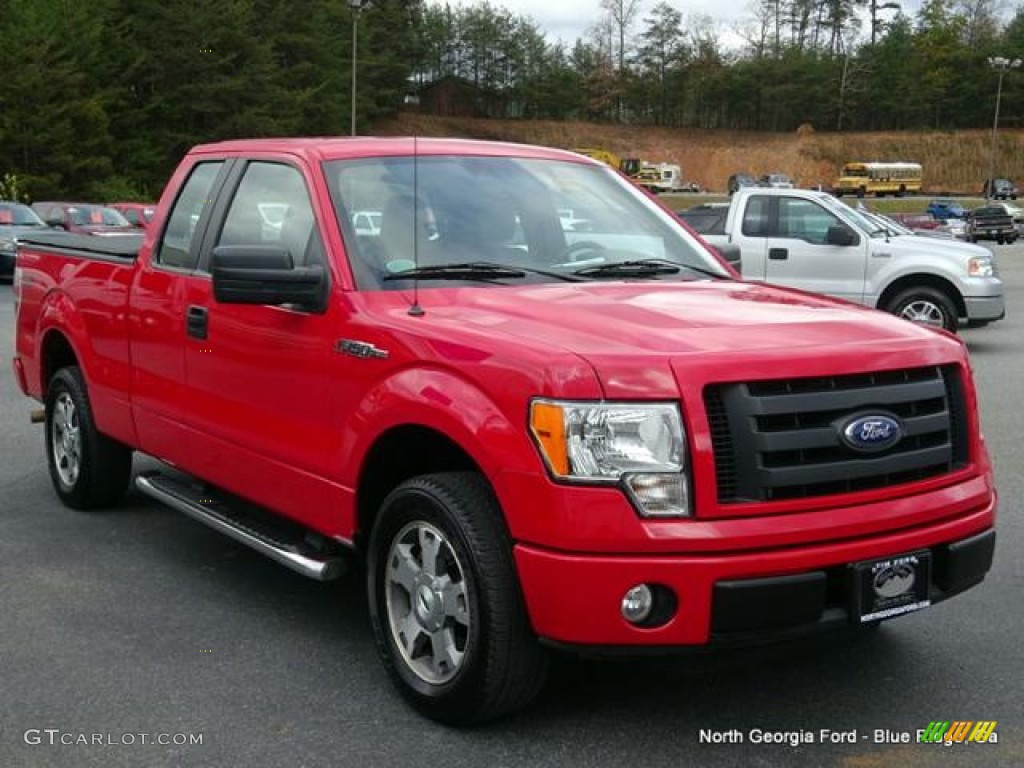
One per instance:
[(946, 209), (740, 180), (706, 218), (16, 219), (999, 189), (916, 221), (991, 222), (84, 218), (813, 242), (775, 181), (138, 214)]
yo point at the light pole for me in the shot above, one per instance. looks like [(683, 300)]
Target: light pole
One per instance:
[(356, 6), (1002, 65)]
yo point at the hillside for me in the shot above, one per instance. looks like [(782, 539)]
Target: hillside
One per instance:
[(953, 161)]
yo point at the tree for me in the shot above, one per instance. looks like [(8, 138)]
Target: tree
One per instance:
[(622, 14), (661, 51), (54, 123)]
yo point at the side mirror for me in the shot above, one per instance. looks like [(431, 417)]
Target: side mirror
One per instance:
[(261, 274), (731, 253), (841, 235), (55, 221)]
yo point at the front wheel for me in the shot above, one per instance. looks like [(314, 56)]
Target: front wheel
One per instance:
[(925, 306), (448, 616), (88, 469)]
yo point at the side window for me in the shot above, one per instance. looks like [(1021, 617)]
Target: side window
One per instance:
[(804, 220), (272, 207), (755, 217), (176, 247)]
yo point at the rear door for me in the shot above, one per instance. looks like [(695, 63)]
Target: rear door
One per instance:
[(156, 318)]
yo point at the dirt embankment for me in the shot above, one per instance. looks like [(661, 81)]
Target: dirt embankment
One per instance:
[(953, 161)]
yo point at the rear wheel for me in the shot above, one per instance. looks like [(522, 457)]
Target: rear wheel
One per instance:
[(447, 612), (88, 469), (925, 305)]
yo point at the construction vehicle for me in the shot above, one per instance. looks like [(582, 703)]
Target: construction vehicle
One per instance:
[(628, 165)]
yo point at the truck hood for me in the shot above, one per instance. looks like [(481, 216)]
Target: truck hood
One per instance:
[(918, 244), (619, 325)]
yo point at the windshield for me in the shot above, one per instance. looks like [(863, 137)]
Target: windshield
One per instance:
[(18, 215), (95, 215), (883, 222), (545, 219)]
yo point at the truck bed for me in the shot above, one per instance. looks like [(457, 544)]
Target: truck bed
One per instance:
[(122, 247)]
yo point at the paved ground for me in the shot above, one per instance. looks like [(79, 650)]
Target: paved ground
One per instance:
[(139, 622)]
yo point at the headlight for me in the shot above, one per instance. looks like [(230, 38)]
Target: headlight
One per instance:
[(980, 266), (641, 446), (8, 244)]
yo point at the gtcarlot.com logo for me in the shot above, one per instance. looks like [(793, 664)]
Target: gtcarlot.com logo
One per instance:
[(958, 732), (58, 737)]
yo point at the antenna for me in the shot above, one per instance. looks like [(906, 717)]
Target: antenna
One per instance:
[(415, 310)]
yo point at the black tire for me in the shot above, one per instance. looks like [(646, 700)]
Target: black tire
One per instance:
[(475, 607), (88, 469), (999, 241), (925, 305)]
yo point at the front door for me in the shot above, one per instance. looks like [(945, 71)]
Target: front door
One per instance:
[(258, 376), (798, 254)]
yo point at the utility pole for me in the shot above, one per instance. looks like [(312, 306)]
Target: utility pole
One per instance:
[(1001, 65)]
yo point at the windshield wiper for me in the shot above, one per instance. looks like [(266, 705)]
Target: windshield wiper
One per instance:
[(475, 270), (642, 268), (470, 270)]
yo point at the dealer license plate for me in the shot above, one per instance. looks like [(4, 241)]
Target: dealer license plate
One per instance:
[(892, 586)]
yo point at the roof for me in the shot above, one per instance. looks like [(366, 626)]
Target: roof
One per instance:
[(339, 148)]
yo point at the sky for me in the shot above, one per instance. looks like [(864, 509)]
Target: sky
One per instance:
[(569, 19)]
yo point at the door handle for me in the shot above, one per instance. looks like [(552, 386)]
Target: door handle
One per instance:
[(778, 254), (197, 322)]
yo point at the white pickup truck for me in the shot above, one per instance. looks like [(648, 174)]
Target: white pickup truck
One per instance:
[(809, 240)]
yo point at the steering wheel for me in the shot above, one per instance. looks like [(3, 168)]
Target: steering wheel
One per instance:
[(573, 251)]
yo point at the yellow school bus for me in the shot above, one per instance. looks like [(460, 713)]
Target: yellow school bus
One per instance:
[(878, 179)]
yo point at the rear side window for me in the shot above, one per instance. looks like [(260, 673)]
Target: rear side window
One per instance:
[(177, 246)]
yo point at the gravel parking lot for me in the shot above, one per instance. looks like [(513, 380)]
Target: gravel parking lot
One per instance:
[(129, 635)]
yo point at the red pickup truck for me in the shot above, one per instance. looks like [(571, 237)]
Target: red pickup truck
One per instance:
[(527, 436)]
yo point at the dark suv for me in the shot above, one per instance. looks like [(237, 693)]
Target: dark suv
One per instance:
[(999, 189)]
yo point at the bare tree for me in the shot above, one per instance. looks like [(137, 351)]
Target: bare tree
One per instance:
[(622, 14)]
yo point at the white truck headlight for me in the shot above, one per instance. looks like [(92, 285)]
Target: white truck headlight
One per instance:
[(640, 446), (980, 266)]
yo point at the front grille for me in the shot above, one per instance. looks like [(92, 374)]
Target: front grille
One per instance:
[(780, 439)]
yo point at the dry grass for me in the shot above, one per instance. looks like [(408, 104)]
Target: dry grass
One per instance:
[(954, 162)]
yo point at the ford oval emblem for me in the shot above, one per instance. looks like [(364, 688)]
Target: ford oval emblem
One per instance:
[(871, 432)]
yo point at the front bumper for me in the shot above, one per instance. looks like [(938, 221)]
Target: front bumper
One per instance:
[(574, 600), (986, 308)]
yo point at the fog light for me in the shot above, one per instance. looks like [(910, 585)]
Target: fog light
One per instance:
[(637, 604)]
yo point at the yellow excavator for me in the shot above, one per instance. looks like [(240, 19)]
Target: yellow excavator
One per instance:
[(628, 165)]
